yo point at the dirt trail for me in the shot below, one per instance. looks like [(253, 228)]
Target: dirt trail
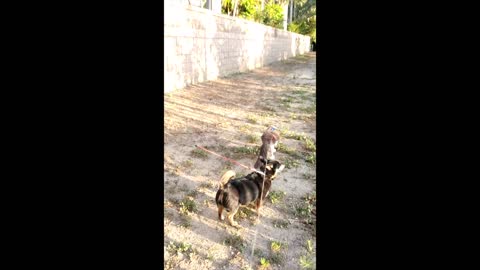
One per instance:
[(228, 116)]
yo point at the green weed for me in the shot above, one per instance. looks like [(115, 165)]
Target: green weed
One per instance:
[(312, 158), (291, 163), (306, 117), (311, 198), (179, 247), (210, 256), (259, 253), (264, 263), (245, 128), (235, 241), (277, 258), (276, 196), (299, 92), (309, 109), (268, 114), (252, 119), (304, 210), (309, 145), (268, 108), (306, 262), (193, 193), (280, 223), (252, 138), (245, 150), (276, 246), (245, 213), (199, 153), (286, 101), (281, 147), (309, 246), (187, 163), (309, 176), (188, 206), (185, 221)]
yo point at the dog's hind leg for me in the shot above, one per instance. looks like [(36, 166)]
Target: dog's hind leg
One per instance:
[(220, 209), (230, 218)]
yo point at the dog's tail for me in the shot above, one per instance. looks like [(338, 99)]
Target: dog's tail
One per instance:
[(225, 178)]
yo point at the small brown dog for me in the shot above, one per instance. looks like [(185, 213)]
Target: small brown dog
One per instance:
[(241, 191), (270, 140)]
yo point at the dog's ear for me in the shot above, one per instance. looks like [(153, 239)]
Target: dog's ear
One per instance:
[(262, 159), (277, 166)]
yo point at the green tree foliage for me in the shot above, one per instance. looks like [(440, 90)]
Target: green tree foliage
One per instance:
[(227, 6), (271, 15), (305, 19), (245, 8), (305, 27), (303, 22), (248, 8)]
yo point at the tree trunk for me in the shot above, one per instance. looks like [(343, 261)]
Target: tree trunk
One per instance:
[(290, 18), (235, 8), (295, 13)]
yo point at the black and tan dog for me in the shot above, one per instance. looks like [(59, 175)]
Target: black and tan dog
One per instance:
[(236, 192)]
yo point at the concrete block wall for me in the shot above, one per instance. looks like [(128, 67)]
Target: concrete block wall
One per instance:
[(201, 45)]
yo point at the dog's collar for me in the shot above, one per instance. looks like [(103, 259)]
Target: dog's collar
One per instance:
[(257, 171), (259, 174)]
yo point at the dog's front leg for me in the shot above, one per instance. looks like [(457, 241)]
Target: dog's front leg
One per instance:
[(257, 206)]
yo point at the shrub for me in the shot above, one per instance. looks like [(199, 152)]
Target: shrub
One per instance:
[(273, 15)]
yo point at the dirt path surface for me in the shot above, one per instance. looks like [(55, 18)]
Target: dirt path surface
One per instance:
[(228, 116)]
